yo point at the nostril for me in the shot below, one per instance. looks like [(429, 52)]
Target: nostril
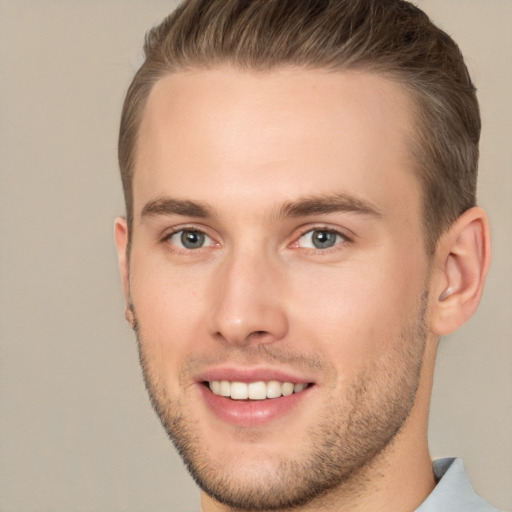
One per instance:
[(257, 336)]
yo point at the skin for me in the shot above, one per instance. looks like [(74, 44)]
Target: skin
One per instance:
[(360, 320)]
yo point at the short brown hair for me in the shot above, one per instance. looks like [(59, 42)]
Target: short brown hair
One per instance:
[(390, 37)]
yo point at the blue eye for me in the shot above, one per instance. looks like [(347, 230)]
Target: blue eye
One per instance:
[(190, 239), (320, 239)]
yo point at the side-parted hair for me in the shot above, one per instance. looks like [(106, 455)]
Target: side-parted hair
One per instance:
[(392, 38)]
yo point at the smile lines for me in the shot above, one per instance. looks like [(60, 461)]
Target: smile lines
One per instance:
[(259, 390)]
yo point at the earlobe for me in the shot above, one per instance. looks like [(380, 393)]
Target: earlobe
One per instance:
[(121, 239), (461, 264)]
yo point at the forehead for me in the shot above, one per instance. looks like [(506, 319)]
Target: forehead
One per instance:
[(226, 134)]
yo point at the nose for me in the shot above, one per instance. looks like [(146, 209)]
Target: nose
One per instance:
[(249, 304)]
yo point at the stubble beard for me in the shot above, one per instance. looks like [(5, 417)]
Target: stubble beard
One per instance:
[(342, 444)]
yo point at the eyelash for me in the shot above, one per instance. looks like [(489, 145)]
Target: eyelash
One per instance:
[(344, 239), (185, 229)]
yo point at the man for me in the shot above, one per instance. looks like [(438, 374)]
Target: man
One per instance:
[(301, 228)]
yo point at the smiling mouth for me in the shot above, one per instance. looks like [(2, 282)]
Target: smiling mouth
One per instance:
[(260, 390)]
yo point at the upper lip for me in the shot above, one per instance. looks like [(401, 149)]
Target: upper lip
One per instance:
[(239, 374)]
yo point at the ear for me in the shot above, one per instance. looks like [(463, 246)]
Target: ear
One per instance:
[(121, 236), (461, 263)]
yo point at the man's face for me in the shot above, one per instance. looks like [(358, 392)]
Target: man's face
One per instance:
[(278, 246)]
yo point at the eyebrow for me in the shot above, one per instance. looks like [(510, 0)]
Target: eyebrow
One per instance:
[(325, 204), (171, 206), (303, 207)]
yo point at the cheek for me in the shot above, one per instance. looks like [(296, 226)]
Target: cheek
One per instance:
[(169, 309), (356, 314)]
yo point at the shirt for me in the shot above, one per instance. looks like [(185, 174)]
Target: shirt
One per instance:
[(453, 492)]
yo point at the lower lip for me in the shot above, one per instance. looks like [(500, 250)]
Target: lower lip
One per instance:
[(251, 413)]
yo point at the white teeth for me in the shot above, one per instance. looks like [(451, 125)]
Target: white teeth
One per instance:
[(257, 390), (287, 389), (239, 390), (254, 390), (225, 388), (273, 389), (298, 388)]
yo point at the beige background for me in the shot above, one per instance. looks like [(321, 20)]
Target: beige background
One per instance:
[(76, 430)]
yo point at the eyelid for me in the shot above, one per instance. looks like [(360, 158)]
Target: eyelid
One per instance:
[(346, 234), (168, 234)]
